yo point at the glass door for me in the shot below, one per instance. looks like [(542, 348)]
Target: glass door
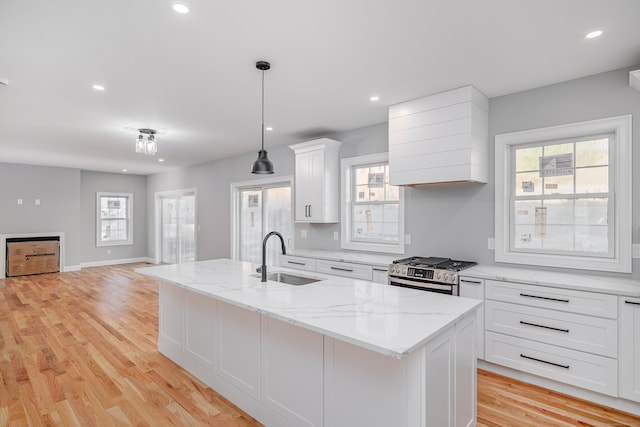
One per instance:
[(263, 209), (178, 228)]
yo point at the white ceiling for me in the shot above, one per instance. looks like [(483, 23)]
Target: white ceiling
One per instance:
[(194, 75)]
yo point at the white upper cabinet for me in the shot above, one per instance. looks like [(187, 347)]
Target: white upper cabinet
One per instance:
[(317, 178), (440, 138)]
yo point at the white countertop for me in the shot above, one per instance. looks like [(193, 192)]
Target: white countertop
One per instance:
[(386, 319), (356, 257), (576, 281)]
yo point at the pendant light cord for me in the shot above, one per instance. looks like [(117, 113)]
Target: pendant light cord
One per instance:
[(262, 110)]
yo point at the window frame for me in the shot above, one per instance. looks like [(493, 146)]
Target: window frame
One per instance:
[(620, 160), (346, 242), (99, 219)]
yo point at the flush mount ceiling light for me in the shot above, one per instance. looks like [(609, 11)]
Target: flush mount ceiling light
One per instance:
[(262, 165), (146, 142), (99, 88)]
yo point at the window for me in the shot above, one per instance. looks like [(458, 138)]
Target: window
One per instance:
[(372, 209), (563, 196), (114, 223), (259, 207)]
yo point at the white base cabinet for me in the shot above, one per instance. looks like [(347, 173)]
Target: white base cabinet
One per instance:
[(284, 375), (630, 348)]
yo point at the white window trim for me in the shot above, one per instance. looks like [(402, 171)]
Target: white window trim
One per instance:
[(129, 241), (235, 197), (622, 162), (346, 165)]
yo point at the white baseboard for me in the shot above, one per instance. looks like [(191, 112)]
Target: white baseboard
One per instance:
[(114, 262), (67, 268)]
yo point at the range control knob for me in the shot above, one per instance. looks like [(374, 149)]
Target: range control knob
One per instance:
[(438, 276)]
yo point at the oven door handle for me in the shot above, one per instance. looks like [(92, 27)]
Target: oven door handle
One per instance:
[(420, 282)]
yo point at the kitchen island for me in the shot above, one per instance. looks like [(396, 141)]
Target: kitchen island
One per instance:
[(337, 352)]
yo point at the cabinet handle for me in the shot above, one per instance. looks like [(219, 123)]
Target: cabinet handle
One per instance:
[(544, 361), (296, 263), (342, 269), (380, 269), (306, 211), (631, 302), (543, 326), (545, 298), (475, 282), (310, 211)]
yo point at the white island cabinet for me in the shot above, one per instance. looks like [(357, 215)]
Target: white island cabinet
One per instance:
[(337, 352)]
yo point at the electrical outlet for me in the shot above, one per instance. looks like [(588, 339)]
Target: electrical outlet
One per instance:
[(407, 239), (19, 201), (491, 243), (303, 234), (336, 236), (636, 251), (108, 251)]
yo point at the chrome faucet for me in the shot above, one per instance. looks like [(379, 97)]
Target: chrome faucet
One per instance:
[(263, 269)]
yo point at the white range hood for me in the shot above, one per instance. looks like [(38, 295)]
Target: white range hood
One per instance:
[(440, 138)]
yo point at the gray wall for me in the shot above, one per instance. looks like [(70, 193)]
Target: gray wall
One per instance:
[(94, 182), (59, 211), (452, 220), (212, 182)]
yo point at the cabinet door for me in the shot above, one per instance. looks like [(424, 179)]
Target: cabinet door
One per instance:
[(316, 185), (292, 372), (302, 186), (471, 287), (171, 320), (380, 275), (239, 348), (310, 186), (630, 348), (200, 322)]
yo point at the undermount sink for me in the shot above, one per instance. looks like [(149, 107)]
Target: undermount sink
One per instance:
[(289, 279)]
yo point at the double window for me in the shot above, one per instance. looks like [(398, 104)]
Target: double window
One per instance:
[(563, 196), (114, 225), (372, 209)]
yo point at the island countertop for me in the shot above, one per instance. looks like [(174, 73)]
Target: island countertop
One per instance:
[(386, 319)]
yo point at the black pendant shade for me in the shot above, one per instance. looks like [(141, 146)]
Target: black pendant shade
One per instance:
[(262, 165)]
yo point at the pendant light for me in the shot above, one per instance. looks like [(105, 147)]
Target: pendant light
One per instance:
[(262, 165)]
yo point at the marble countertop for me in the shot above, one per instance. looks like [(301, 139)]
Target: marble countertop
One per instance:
[(386, 319), (577, 281), (356, 257)]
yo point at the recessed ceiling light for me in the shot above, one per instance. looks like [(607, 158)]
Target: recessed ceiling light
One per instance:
[(269, 128), (98, 87), (180, 8), (594, 34), (374, 98), (124, 170), (161, 160)]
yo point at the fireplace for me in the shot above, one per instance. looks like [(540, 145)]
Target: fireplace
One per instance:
[(27, 254)]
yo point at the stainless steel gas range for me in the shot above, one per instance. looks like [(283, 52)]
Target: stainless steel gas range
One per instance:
[(428, 274)]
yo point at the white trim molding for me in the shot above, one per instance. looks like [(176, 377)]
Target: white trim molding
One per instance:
[(622, 222)]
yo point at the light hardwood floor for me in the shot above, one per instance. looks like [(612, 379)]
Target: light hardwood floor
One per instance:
[(79, 349)]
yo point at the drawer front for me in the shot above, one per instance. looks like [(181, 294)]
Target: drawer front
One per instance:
[(297, 262), (585, 333), (577, 368), (346, 269), (590, 303)]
